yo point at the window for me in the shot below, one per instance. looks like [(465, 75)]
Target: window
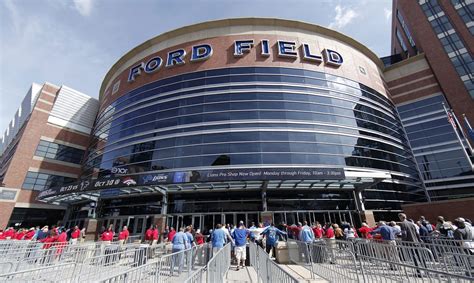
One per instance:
[(451, 42), (38, 181), (59, 152), (465, 10), (400, 40), (405, 29)]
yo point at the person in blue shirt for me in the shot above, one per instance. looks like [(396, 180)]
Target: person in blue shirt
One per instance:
[(388, 233), (271, 234), (218, 238), (240, 237), (190, 237), (180, 243), (306, 234)]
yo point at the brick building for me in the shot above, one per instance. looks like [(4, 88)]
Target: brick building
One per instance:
[(430, 77), (41, 148)]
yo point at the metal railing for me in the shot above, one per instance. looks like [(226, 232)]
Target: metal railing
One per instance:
[(372, 261), (199, 276), (175, 266), (267, 270), (54, 273), (330, 259), (218, 265), (80, 263), (390, 261)]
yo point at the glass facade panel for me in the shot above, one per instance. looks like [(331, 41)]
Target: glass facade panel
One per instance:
[(41, 181), (59, 152), (296, 118)]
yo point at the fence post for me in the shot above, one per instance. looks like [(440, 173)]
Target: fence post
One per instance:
[(310, 258)]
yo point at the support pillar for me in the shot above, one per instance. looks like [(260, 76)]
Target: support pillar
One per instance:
[(367, 216), (92, 229), (264, 196)]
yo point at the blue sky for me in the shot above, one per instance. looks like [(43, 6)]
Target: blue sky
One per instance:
[(75, 42)]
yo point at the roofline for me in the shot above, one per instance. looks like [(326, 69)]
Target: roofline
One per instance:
[(404, 62), (239, 21)]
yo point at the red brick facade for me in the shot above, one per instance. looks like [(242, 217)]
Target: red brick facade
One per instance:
[(428, 43), (37, 126)]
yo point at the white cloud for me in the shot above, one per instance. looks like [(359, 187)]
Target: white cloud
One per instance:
[(84, 7), (387, 13), (344, 16)]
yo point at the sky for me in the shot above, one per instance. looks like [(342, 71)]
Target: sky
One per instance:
[(75, 42)]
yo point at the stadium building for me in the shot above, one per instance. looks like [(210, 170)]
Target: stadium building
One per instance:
[(243, 119), (42, 148), (432, 65)]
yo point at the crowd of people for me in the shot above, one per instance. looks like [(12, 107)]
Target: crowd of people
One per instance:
[(44, 235), (267, 236)]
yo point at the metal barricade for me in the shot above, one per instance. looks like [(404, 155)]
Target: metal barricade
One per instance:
[(199, 276), (391, 261), (134, 239), (174, 267), (218, 265), (267, 270), (112, 262), (460, 264), (54, 273), (334, 261)]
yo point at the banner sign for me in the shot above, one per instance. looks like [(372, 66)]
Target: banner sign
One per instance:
[(197, 176)]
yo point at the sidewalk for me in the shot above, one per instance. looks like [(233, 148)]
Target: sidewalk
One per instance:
[(301, 273), (249, 275), (245, 275)]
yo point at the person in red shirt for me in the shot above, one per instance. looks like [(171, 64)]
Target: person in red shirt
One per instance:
[(156, 236), (318, 231), (21, 233), (123, 235), (171, 234), (53, 237), (365, 231), (10, 233), (295, 230), (199, 237), (330, 233), (75, 235), (30, 234), (61, 242), (107, 236), (151, 235)]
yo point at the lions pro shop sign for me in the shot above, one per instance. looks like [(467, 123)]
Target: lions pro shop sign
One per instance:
[(197, 176)]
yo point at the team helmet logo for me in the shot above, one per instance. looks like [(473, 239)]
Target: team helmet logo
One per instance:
[(129, 181)]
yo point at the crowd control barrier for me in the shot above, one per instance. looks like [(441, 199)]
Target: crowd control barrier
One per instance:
[(267, 270)]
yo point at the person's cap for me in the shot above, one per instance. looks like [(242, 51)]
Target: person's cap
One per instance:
[(460, 220), (241, 222)]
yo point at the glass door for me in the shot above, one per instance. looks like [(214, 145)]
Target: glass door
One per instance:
[(197, 222)]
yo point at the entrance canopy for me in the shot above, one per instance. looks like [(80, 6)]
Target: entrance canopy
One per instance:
[(331, 179)]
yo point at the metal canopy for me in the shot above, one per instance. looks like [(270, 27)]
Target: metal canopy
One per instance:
[(351, 183)]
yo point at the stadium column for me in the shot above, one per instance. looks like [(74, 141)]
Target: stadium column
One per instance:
[(366, 216), (91, 225), (7, 209)]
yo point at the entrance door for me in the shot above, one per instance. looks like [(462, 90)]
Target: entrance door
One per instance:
[(197, 220)]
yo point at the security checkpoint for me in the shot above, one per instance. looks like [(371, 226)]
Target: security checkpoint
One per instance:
[(325, 260)]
